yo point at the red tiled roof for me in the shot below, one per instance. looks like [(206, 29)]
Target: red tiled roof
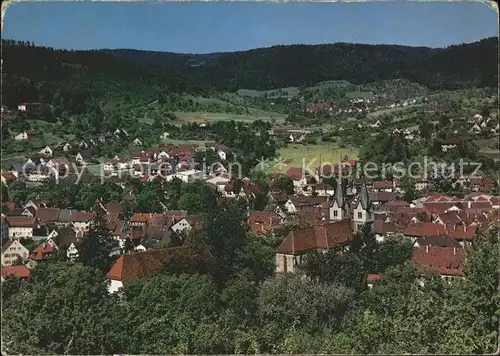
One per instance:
[(383, 184), (324, 236), (9, 176), (20, 221), (382, 196), (139, 218), (463, 233), (381, 227), (450, 218), (262, 222), (132, 267), (424, 229), (296, 173), (373, 277), (16, 271), (446, 261), (42, 251)]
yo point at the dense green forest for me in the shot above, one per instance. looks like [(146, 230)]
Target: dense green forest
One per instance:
[(33, 73), (306, 65)]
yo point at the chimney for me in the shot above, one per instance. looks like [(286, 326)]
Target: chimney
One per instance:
[(426, 248), (465, 227), (454, 250)]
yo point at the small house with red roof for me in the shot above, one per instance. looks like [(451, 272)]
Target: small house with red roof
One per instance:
[(371, 279), (298, 176), (43, 251), (20, 271), (131, 267), (421, 229), (322, 237), (8, 177), (446, 261)]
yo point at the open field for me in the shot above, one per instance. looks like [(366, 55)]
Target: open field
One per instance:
[(293, 156), (186, 117), (280, 92), (487, 148), (169, 141)]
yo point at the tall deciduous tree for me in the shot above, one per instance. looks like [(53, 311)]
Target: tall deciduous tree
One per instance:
[(97, 245)]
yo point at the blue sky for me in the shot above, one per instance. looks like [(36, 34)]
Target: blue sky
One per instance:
[(217, 27)]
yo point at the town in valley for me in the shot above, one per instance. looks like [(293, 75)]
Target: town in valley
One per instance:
[(286, 198)]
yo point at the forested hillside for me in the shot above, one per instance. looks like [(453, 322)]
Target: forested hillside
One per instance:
[(304, 65), (78, 77), (43, 74)]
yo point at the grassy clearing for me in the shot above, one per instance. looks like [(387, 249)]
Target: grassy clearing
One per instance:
[(274, 93), (169, 141), (293, 155), (185, 117)]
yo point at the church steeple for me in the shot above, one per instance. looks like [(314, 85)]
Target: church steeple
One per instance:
[(362, 213), (338, 209), (339, 196), (364, 197)]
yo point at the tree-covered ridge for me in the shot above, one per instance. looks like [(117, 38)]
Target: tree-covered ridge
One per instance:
[(304, 65), (44, 74)]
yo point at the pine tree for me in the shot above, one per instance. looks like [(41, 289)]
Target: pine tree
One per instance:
[(97, 244), (129, 246)]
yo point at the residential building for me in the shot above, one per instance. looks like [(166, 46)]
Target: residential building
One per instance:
[(324, 237), (12, 250), (20, 227)]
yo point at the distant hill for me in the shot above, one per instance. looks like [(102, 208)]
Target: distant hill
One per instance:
[(305, 65), (135, 77)]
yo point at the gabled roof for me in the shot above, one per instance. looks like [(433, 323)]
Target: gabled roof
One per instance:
[(16, 271), (446, 261), (47, 215), (20, 221), (324, 236), (132, 267), (382, 196), (383, 184), (440, 241), (295, 173), (424, 229), (450, 218), (463, 233)]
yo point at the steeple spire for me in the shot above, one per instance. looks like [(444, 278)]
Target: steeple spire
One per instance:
[(339, 193), (364, 197)]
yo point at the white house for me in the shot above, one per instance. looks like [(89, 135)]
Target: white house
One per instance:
[(20, 227), (46, 151), (21, 136), (165, 135), (11, 251), (186, 176), (181, 225), (66, 147), (137, 142), (222, 154), (72, 252), (80, 159)]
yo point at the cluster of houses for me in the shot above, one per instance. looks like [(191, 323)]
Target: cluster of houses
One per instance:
[(293, 135), (485, 125), (170, 161), (440, 226), (356, 105)]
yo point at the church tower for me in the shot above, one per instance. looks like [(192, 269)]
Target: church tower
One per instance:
[(338, 206), (363, 211)]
